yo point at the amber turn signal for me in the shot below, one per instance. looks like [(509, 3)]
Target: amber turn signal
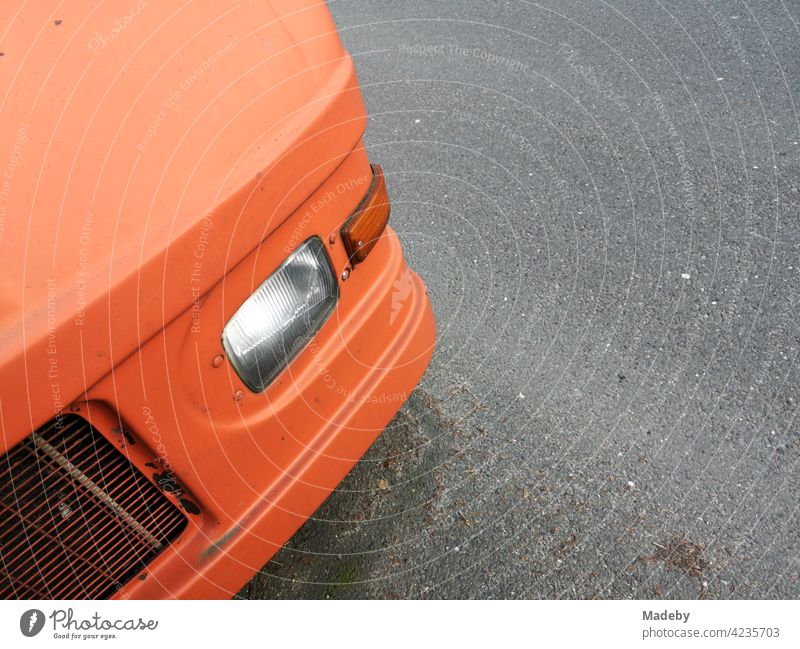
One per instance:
[(362, 230)]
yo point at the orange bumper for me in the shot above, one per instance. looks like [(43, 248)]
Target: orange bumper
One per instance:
[(258, 465)]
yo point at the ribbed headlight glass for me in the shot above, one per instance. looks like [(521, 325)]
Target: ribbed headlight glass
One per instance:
[(282, 316)]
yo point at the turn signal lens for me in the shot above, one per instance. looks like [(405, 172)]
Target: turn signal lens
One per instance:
[(363, 229)]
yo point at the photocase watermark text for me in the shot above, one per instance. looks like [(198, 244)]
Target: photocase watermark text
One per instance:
[(101, 41), (452, 50)]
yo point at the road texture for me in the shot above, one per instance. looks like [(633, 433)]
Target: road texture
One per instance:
[(602, 198)]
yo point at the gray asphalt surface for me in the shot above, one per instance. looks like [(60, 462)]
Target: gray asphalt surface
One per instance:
[(602, 198)]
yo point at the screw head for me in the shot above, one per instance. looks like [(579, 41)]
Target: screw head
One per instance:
[(345, 274), (239, 395), (217, 360)]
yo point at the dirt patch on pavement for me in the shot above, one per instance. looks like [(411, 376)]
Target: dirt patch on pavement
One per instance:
[(680, 553)]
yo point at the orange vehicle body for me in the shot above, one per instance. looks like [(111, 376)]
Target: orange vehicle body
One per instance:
[(157, 163)]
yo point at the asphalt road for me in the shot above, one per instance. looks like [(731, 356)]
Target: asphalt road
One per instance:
[(602, 198)]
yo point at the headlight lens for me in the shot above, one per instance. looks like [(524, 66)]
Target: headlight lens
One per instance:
[(282, 316)]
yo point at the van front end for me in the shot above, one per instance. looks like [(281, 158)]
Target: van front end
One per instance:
[(207, 320)]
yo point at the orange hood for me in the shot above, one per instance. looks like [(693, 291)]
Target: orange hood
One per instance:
[(146, 148)]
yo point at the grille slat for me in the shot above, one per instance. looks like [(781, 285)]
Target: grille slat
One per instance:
[(77, 519), (47, 554), (45, 507)]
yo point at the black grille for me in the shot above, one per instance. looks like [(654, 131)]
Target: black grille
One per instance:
[(77, 519)]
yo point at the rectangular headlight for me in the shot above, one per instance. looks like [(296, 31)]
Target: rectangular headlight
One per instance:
[(282, 316)]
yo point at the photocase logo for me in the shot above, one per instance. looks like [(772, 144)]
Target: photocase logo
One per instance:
[(402, 290), (31, 622)]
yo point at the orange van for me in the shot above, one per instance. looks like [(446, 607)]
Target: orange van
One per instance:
[(205, 319)]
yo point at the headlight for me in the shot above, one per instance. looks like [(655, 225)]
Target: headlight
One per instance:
[(283, 314)]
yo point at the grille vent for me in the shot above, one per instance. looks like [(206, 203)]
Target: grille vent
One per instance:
[(77, 519)]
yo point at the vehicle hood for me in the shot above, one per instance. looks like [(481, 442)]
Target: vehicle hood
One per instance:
[(146, 148)]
